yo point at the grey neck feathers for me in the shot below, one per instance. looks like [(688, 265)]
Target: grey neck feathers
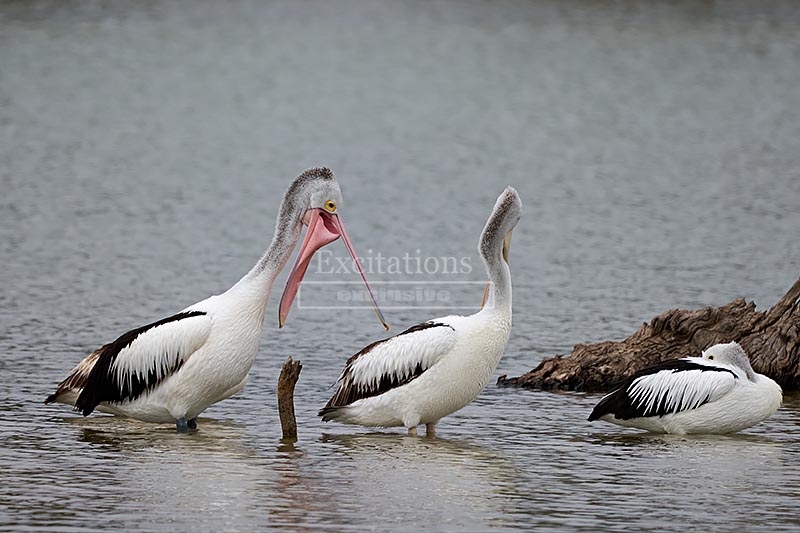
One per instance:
[(738, 357), (287, 233), (748, 368), (288, 226)]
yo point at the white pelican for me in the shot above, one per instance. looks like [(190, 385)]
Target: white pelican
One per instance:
[(716, 393), (437, 367), (173, 369)]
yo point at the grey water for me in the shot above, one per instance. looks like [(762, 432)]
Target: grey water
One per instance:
[(145, 146)]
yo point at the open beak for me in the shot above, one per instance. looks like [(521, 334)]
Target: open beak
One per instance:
[(323, 228), (506, 248)]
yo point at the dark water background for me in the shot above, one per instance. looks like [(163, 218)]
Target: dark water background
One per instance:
[(144, 148)]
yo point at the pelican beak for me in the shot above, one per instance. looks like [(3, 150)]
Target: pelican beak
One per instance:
[(323, 228), (485, 293), (507, 245)]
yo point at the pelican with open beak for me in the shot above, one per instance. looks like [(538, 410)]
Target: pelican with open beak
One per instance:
[(173, 369)]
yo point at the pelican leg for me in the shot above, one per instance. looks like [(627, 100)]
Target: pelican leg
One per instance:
[(181, 426), (430, 429), (192, 423), (412, 432)]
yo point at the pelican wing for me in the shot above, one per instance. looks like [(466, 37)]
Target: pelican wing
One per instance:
[(137, 361), (669, 387), (76, 378), (390, 363)]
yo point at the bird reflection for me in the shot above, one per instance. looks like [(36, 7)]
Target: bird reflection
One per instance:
[(227, 476), (665, 441), (403, 447), (450, 478), (124, 435), (348, 477), (217, 474)]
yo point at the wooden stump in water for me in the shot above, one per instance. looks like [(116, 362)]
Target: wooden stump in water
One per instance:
[(290, 373), (771, 339)]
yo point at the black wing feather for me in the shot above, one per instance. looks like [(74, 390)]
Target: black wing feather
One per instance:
[(619, 403), (349, 392), (101, 386)]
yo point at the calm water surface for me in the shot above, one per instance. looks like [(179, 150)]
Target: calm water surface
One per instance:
[(144, 148)]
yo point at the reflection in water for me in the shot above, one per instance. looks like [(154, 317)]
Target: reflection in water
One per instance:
[(160, 471), (481, 482), (691, 441), (296, 497), (127, 435), (166, 474), (393, 479), (698, 473), (137, 475)]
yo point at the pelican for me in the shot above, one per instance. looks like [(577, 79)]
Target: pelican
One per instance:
[(173, 369), (716, 393), (435, 368)]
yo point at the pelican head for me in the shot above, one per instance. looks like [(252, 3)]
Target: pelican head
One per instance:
[(495, 242), (314, 200), (496, 236), (730, 354)]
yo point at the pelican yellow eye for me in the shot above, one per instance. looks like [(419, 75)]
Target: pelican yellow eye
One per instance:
[(330, 205), (711, 357)]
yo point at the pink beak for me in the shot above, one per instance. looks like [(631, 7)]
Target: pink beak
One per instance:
[(323, 228)]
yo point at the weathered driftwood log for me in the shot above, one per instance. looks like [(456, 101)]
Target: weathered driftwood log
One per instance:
[(290, 373), (771, 338)]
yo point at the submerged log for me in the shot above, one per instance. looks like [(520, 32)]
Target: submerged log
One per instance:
[(290, 373), (771, 338)]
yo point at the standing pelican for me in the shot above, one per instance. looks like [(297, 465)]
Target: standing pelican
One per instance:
[(437, 367), (716, 393), (173, 369)]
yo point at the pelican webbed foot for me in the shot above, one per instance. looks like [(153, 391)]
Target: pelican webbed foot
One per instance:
[(182, 426)]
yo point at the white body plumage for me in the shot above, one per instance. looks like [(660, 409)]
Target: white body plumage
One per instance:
[(716, 393), (437, 367), (461, 354), (222, 343), (199, 358)]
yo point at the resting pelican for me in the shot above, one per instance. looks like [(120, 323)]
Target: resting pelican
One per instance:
[(716, 393), (173, 369), (437, 367)]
